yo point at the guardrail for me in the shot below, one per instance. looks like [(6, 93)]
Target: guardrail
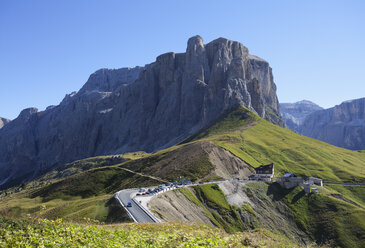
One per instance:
[(146, 211)]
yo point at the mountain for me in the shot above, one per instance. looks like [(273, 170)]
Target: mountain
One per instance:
[(3, 121), (295, 113), (142, 108), (342, 125)]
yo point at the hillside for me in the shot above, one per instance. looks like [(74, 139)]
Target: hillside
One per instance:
[(261, 142), (231, 147), (82, 189), (327, 218)]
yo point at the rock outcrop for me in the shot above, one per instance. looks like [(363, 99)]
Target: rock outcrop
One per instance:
[(295, 113), (3, 121), (142, 108), (342, 125)]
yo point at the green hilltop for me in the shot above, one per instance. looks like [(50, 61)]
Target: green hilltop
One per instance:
[(257, 142)]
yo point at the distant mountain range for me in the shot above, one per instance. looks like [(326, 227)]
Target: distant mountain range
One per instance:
[(342, 125), (142, 108), (294, 114)]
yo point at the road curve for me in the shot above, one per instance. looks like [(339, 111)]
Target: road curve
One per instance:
[(136, 211)]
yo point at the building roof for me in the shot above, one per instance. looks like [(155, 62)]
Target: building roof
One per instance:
[(265, 169), (288, 174)]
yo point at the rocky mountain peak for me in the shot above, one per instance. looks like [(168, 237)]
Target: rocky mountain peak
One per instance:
[(141, 108), (195, 43), (26, 113)]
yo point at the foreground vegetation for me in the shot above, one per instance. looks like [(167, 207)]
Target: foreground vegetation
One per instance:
[(46, 233)]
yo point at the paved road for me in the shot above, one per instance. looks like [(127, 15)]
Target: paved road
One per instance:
[(138, 213)]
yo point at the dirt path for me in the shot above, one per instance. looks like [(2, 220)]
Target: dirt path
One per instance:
[(143, 175)]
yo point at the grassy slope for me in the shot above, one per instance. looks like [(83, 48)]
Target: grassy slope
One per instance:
[(326, 219), (258, 141), (79, 166)]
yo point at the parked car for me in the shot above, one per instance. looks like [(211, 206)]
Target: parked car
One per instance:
[(129, 204)]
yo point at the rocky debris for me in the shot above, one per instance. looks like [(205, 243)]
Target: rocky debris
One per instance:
[(342, 125), (295, 113), (142, 108), (174, 206), (3, 121), (235, 194)]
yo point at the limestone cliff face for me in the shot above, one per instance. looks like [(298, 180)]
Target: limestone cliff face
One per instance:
[(143, 108), (3, 121), (342, 125), (295, 113)]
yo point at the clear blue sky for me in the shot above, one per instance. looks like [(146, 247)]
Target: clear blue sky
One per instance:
[(49, 48)]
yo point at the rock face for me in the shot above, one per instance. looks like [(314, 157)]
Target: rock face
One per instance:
[(295, 113), (142, 108), (342, 125), (3, 121)]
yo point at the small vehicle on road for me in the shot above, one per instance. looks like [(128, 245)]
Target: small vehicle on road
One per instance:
[(129, 204)]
